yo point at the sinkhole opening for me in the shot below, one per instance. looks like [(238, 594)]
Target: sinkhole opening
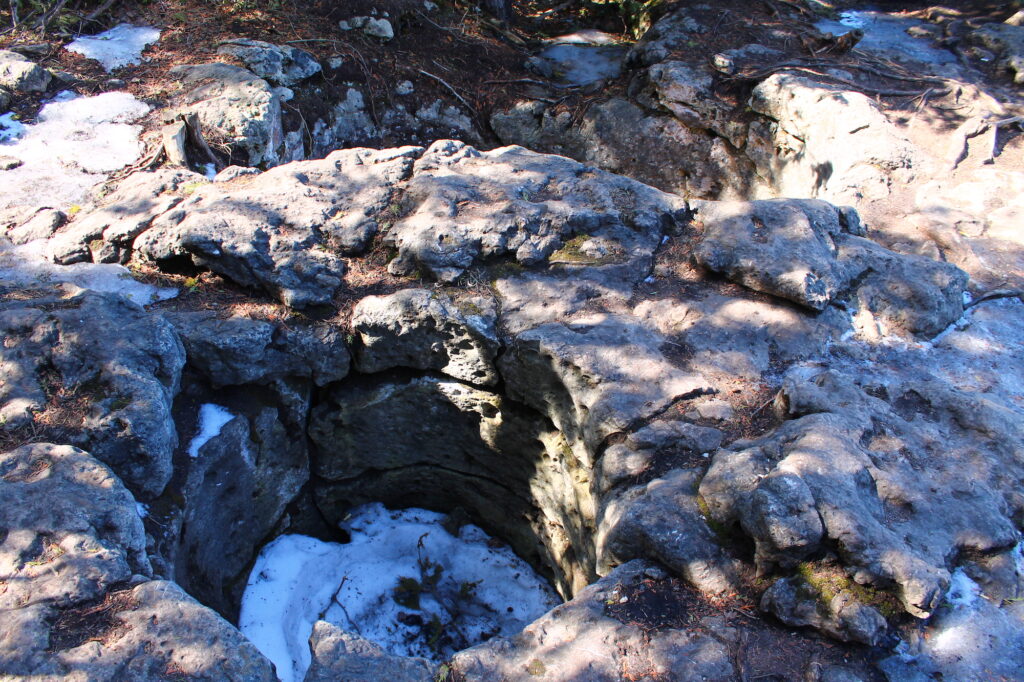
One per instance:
[(467, 514), (410, 580)]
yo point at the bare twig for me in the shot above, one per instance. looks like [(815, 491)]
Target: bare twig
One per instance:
[(450, 89), (48, 16), (95, 14)]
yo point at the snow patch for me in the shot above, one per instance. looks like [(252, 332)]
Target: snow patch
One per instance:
[(963, 591), (74, 144), (212, 419), (120, 46), (142, 510), (456, 591), (10, 127), (28, 265)]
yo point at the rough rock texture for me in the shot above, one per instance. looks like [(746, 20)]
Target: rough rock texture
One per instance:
[(662, 521), (282, 231), (22, 75), (235, 494), (594, 377), (71, 528), (783, 247), (107, 350), (464, 206), (413, 442), (41, 225), (796, 603), (800, 250), (863, 474), (423, 329), (235, 107), (106, 234), (581, 640), (278, 64), (611, 135), (73, 539), (339, 655), (1007, 41), (834, 141), (236, 350)]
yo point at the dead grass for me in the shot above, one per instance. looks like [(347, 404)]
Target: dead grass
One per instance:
[(95, 621)]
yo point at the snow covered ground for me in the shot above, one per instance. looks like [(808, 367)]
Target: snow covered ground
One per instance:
[(28, 264), (120, 46), (75, 143), (403, 582)]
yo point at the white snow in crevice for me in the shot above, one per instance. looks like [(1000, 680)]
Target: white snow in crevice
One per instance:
[(481, 591), (75, 143), (120, 46), (212, 419), (963, 591), (142, 510), (28, 265)]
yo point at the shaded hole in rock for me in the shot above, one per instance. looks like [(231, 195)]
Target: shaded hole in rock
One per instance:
[(396, 440)]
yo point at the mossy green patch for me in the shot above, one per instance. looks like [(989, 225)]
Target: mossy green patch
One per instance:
[(829, 580)]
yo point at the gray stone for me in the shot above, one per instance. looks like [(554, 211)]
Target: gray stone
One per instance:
[(1007, 41), (235, 494), (165, 632), (235, 107), (7, 162), (688, 92), (422, 329), (467, 205), (836, 144), (125, 363), (22, 75), (284, 230), (581, 640), (234, 172), (237, 350), (593, 378), (662, 521), (41, 225), (339, 655), (866, 473), (796, 603), (71, 529), (624, 462), (107, 233), (279, 64)]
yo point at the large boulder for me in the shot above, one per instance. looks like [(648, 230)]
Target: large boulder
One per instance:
[(78, 603), (424, 329), (464, 206), (595, 377), (22, 75), (235, 107), (283, 231), (874, 477), (233, 351), (278, 64), (340, 655), (105, 371)]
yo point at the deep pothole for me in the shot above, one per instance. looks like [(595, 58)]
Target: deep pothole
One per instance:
[(468, 517)]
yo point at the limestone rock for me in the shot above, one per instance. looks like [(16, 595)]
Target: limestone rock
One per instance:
[(106, 234), (339, 655), (784, 247), (41, 225), (236, 107), (422, 329), (662, 521), (594, 377), (466, 206), (282, 231), (22, 75), (236, 351), (1007, 41), (687, 91), (125, 362), (582, 635), (164, 629), (795, 602), (72, 530), (236, 492), (864, 472), (637, 454), (278, 64)]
